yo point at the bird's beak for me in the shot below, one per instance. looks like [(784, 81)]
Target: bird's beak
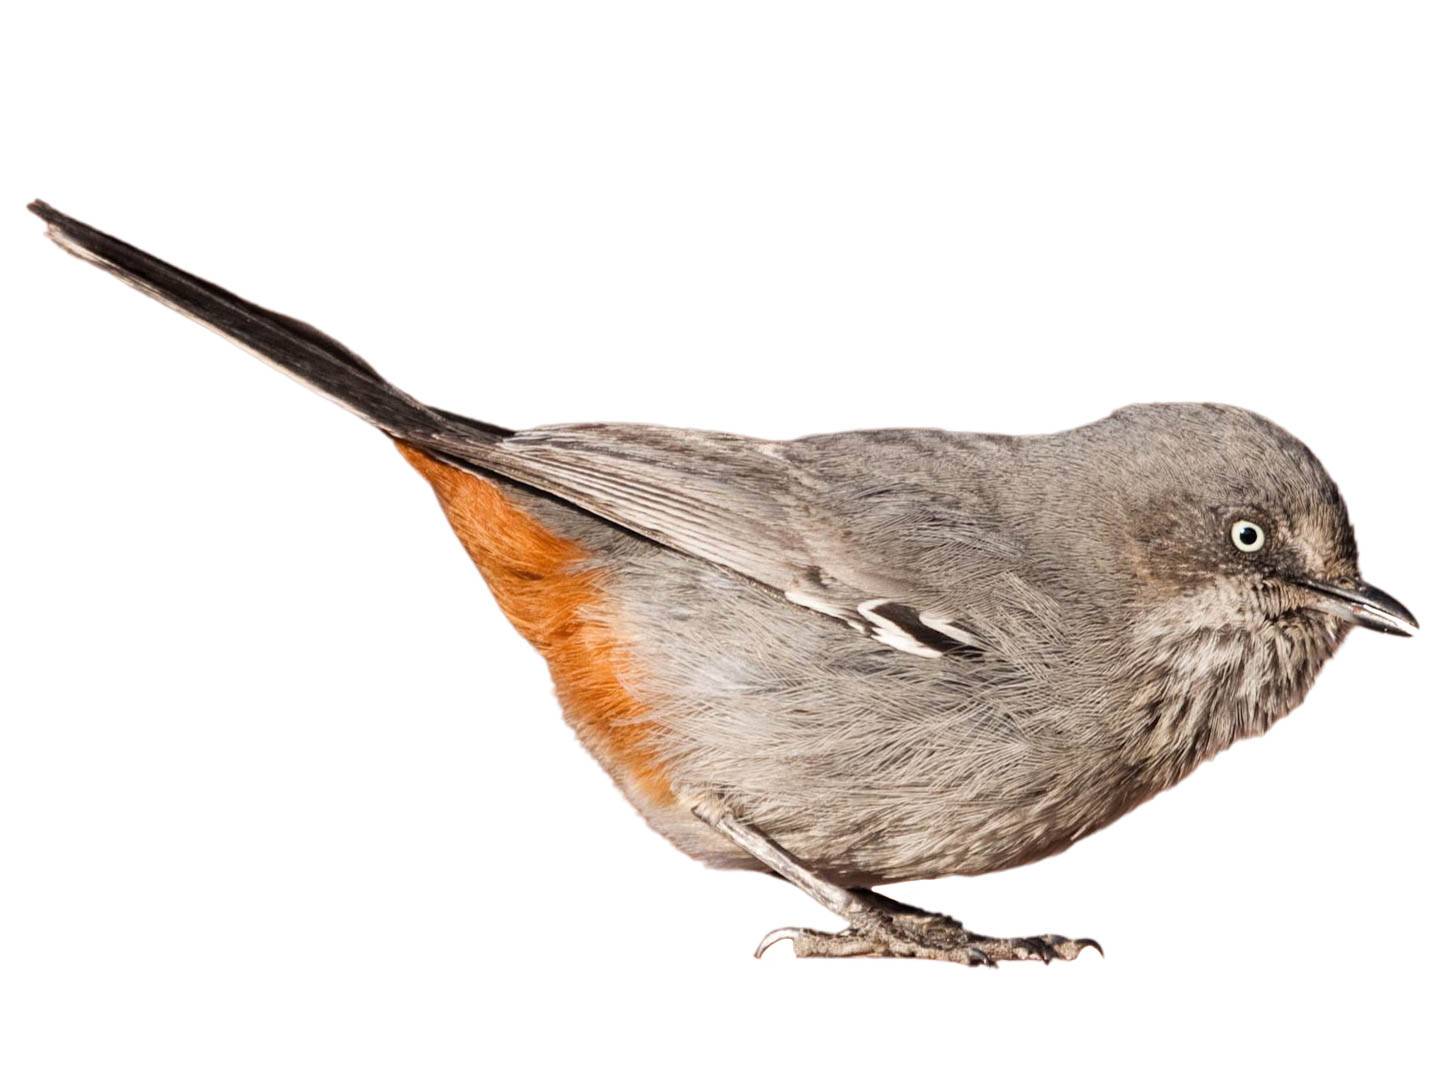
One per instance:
[(1363, 605)]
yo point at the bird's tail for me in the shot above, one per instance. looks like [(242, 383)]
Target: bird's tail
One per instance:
[(298, 349)]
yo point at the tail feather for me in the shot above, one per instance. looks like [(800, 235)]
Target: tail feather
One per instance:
[(294, 347)]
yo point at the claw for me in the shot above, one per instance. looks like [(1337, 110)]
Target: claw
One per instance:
[(1089, 942), (783, 933), (978, 958)]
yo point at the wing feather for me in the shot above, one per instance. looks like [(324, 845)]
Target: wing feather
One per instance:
[(744, 504)]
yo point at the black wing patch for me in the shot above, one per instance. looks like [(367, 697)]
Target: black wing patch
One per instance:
[(901, 626)]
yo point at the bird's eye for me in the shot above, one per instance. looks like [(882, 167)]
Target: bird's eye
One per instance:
[(1246, 536)]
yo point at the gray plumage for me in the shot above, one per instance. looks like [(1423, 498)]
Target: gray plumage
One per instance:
[(905, 653), (1112, 658)]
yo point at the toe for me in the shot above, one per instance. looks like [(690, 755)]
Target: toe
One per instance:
[(1038, 948)]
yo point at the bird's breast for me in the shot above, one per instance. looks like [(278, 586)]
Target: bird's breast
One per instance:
[(1193, 692)]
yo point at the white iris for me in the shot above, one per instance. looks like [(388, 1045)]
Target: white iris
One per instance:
[(1247, 536)]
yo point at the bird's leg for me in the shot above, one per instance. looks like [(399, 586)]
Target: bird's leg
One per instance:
[(877, 925)]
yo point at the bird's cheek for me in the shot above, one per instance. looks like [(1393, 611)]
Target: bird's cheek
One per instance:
[(1206, 603)]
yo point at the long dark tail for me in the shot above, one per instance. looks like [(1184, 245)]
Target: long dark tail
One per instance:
[(292, 346)]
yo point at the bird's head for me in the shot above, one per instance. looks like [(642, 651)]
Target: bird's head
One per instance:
[(1233, 524)]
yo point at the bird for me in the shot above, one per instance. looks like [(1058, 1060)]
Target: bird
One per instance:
[(861, 658)]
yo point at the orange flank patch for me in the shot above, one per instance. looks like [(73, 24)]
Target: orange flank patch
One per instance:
[(534, 575)]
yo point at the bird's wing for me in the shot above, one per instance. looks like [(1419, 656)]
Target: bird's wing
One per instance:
[(745, 504)]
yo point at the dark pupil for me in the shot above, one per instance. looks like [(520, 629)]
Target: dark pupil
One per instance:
[(1247, 535)]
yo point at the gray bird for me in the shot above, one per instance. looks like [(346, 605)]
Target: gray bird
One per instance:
[(870, 657)]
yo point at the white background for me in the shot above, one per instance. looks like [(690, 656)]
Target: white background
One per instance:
[(282, 797)]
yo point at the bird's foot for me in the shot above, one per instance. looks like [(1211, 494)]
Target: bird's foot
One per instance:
[(900, 931), (877, 925)]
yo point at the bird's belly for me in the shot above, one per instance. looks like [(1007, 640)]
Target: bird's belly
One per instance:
[(868, 764)]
